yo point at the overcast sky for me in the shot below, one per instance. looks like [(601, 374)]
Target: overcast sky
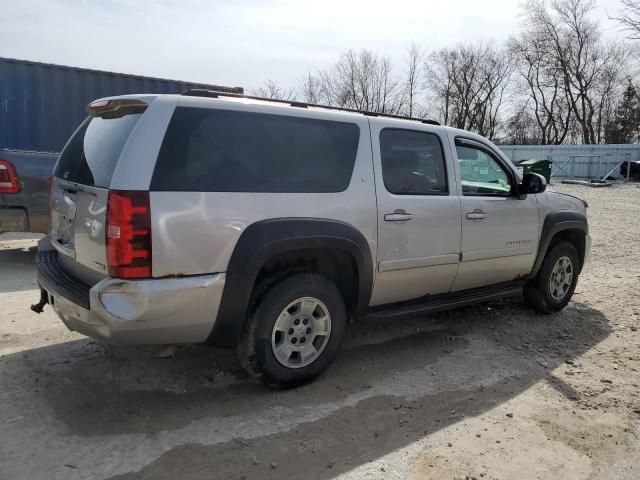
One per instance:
[(244, 42)]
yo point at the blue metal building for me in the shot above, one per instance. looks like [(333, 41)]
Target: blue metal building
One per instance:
[(42, 104)]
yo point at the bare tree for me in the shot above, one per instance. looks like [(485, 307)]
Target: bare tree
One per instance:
[(521, 127), (309, 88), (362, 80), (467, 85), (568, 85), (589, 68), (271, 89), (415, 58), (540, 88), (624, 124), (629, 18)]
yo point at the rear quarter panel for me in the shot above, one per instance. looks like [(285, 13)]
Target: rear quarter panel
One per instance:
[(196, 232)]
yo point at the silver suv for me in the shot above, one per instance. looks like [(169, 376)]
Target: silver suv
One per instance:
[(267, 226)]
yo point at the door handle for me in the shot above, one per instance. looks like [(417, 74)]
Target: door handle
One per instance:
[(477, 215), (397, 216)]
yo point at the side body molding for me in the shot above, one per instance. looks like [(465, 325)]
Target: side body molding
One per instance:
[(264, 239), (554, 223)]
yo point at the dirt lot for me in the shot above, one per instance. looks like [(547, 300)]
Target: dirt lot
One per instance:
[(492, 391)]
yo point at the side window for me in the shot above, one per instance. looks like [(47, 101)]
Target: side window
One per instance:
[(481, 174), (412, 162), (210, 150)]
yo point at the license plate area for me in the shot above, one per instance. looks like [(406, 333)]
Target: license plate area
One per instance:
[(63, 217)]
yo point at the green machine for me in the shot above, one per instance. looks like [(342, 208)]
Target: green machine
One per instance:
[(543, 167)]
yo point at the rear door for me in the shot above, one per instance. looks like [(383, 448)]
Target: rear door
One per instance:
[(499, 230), (418, 211), (80, 188)]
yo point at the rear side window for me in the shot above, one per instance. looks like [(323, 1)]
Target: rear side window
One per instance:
[(206, 150), (91, 155), (412, 162)]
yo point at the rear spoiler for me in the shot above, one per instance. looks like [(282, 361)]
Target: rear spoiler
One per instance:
[(116, 108)]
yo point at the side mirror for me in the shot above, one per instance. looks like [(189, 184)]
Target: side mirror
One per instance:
[(532, 183)]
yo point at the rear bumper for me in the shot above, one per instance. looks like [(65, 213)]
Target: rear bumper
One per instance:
[(154, 311)]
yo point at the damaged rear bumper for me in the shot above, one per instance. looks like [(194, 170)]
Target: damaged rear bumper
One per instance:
[(151, 311)]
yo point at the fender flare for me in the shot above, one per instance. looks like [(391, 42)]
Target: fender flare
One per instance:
[(261, 241), (554, 223)]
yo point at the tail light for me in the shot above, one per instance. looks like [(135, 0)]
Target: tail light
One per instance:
[(9, 182), (128, 234), (98, 105)]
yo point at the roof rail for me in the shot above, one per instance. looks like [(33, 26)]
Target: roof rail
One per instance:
[(199, 92)]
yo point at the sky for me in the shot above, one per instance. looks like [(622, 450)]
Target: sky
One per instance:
[(245, 42)]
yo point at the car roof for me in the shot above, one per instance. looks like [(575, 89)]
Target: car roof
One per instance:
[(209, 97)]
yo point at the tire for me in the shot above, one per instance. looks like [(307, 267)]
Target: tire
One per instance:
[(544, 293), (261, 338)]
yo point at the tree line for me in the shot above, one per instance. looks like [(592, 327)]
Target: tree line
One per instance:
[(555, 81)]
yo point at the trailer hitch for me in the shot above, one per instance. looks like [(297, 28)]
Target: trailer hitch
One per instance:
[(39, 307)]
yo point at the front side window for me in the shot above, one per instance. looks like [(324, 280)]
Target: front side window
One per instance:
[(412, 162), (481, 174), (210, 150)]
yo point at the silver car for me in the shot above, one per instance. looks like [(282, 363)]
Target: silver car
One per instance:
[(267, 226)]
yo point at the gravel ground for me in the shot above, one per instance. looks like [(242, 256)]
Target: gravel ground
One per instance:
[(493, 391)]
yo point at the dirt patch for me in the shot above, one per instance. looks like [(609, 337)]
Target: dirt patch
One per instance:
[(492, 391)]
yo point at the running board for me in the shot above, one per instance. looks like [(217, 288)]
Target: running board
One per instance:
[(439, 303)]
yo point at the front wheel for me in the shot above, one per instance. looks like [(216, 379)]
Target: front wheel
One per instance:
[(556, 281), (295, 330)]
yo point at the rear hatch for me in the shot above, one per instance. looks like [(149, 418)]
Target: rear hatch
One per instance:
[(80, 187)]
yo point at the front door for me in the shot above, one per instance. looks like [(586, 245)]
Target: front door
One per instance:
[(499, 230), (418, 213)]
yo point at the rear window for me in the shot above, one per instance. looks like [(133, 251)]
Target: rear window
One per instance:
[(208, 150), (91, 155)]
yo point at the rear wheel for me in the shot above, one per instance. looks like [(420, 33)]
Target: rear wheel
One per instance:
[(556, 281), (294, 331)]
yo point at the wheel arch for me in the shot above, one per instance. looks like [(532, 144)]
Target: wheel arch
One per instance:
[(284, 245), (557, 226)]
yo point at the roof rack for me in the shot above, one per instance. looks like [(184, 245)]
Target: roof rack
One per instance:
[(199, 92)]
